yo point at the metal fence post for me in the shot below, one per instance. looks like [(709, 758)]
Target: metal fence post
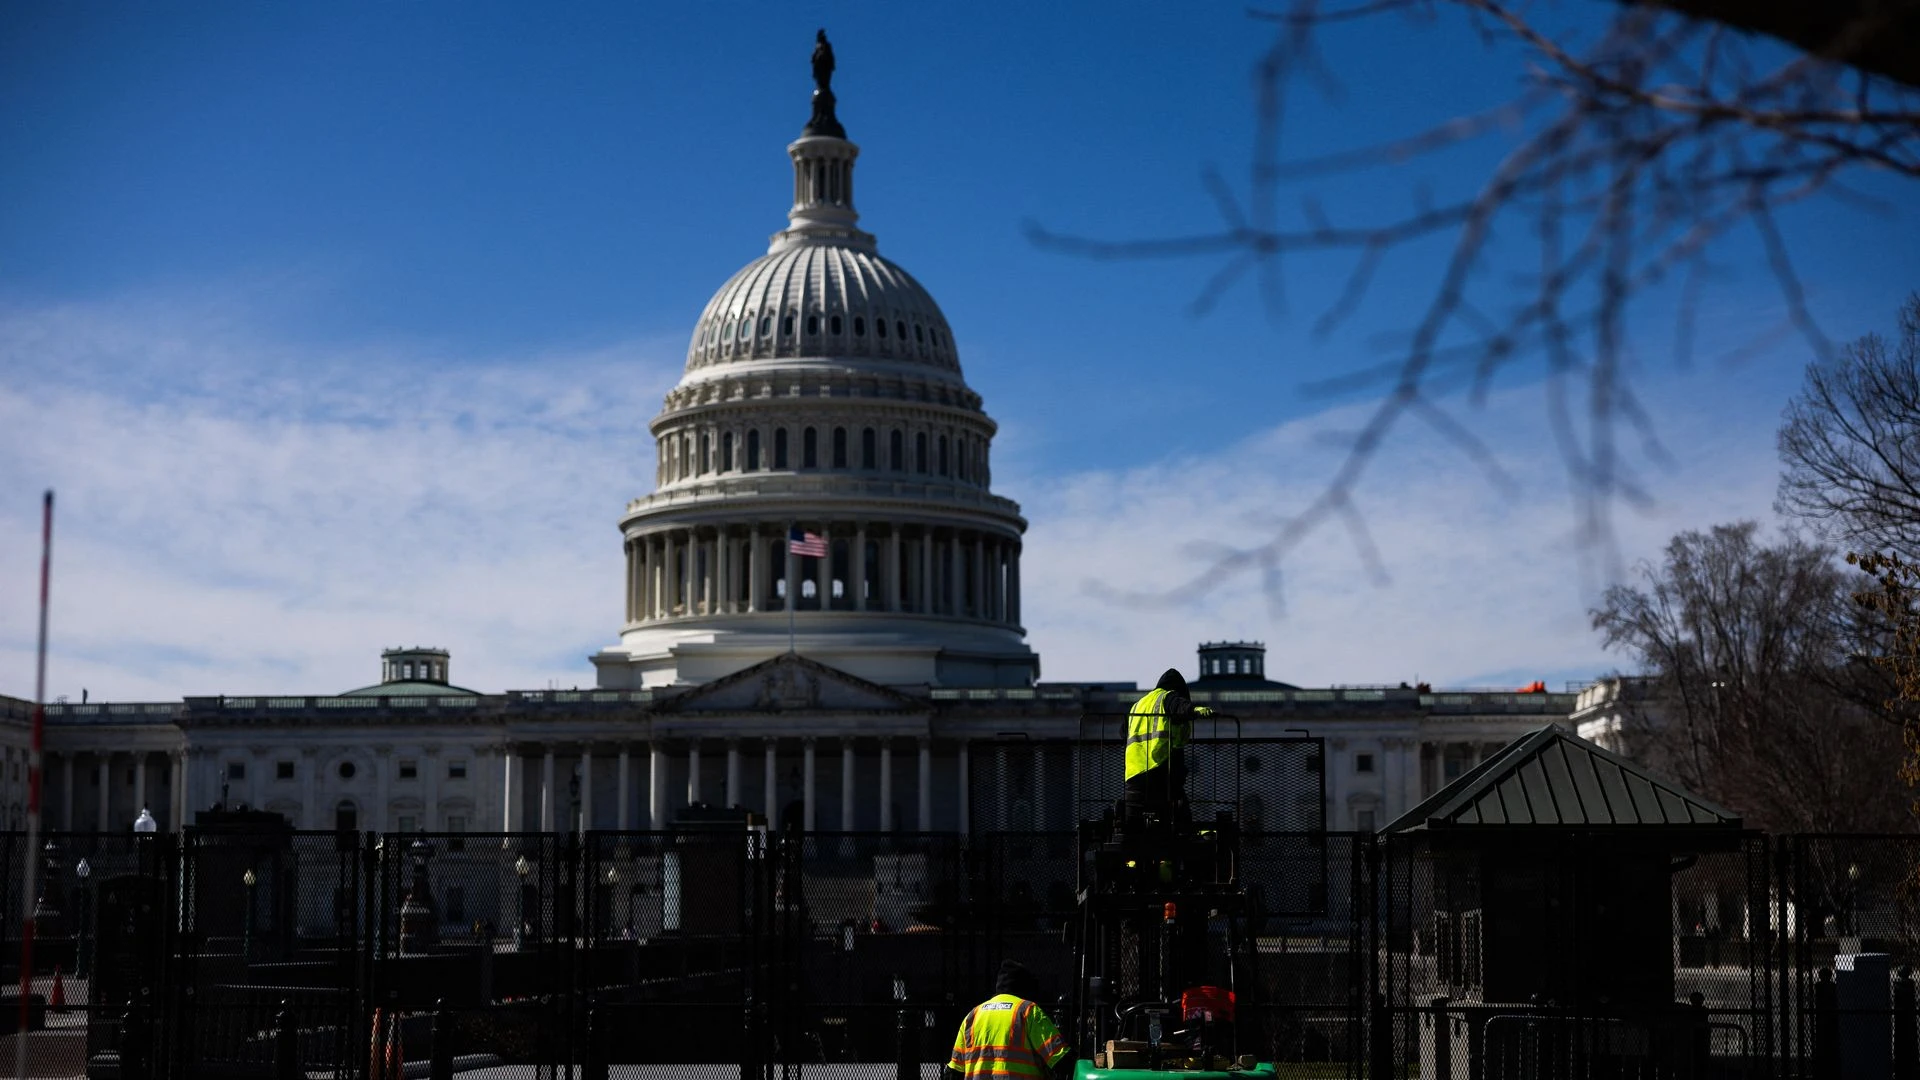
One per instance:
[(1826, 1028), (441, 1063), (1906, 1053), (1380, 1032), (286, 1045)]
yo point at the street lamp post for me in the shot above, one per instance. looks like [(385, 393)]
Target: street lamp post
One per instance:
[(83, 958), (613, 898), (246, 940)]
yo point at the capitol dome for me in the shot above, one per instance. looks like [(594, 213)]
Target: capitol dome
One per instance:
[(804, 299), (823, 474)]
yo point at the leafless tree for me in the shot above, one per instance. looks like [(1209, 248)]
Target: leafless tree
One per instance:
[(1756, 697), (1625, 162), (1851, 443)]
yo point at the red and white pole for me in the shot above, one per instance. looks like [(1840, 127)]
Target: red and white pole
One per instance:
[(29, 882)]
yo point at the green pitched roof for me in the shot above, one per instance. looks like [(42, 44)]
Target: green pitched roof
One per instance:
[(1553, 778)]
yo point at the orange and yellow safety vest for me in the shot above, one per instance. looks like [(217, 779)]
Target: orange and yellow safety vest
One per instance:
[(1007, 1036)]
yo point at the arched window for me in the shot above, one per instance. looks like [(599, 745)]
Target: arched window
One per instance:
[(918, 335), (766, 325), (962, 449), (943, 455), (920, 452), (726, 451), (866, 448), (753, 450), (833, 326), (813, 325), (809, 450), (896, 458), (786, 326), (901, 328), (346, 816), (705, 447), (859, 326), (780, 448), (839, 448), (880, 326)]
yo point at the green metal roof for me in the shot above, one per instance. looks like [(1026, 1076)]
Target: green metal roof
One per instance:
[(411, 688), (1552, 778)]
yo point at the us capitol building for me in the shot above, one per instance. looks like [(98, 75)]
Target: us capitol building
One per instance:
[(863, 689)]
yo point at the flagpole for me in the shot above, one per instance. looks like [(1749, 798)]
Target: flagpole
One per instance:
[(35, 758), (792, 600)]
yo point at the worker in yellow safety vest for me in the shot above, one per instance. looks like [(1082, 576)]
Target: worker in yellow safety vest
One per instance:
[(1008, 1035), (1158, 725)]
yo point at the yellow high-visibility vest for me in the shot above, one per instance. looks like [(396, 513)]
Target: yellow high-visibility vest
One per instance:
[(1150, 739), (1007, 1036)]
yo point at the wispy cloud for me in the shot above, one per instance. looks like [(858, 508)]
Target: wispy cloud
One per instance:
[(243, 514), (1481, 589), (238, 515)]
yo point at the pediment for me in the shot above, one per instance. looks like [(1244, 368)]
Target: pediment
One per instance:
[(789, 683)]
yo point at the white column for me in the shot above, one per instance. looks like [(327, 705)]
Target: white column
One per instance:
[(886, 784), (1039, 787), (979, 589), (733, 772), (772, 789), (140, 780), (623, 819), (672, 574), (966, 792), (105, 773), (309, 797), (808, 816), (381, 797), (846, 785), (178, 811), (790, 574), (586, 787), (66, 790), (693, 771), (546, 791), (656, 786), (508, 762), (755, 574), (723, 572), (926, 570), (857, 571), (824, 578), (1013, 584), (890, 574), (926, 784)]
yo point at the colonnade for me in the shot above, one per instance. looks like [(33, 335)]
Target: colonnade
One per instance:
[(550, 786), (734, 570), (110, 814)]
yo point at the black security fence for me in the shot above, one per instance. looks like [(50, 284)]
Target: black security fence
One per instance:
[(739, 952)]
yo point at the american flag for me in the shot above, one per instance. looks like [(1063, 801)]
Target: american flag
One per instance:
[(806, 543)]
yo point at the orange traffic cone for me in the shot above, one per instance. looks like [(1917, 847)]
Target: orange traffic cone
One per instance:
[(58, 1002)]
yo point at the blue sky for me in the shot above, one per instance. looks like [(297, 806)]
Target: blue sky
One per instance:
[(339, 326)]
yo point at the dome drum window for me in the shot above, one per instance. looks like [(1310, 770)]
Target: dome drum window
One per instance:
[(860, 327)]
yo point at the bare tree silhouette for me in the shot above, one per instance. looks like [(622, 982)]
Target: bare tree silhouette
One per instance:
[(1630, 159)]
